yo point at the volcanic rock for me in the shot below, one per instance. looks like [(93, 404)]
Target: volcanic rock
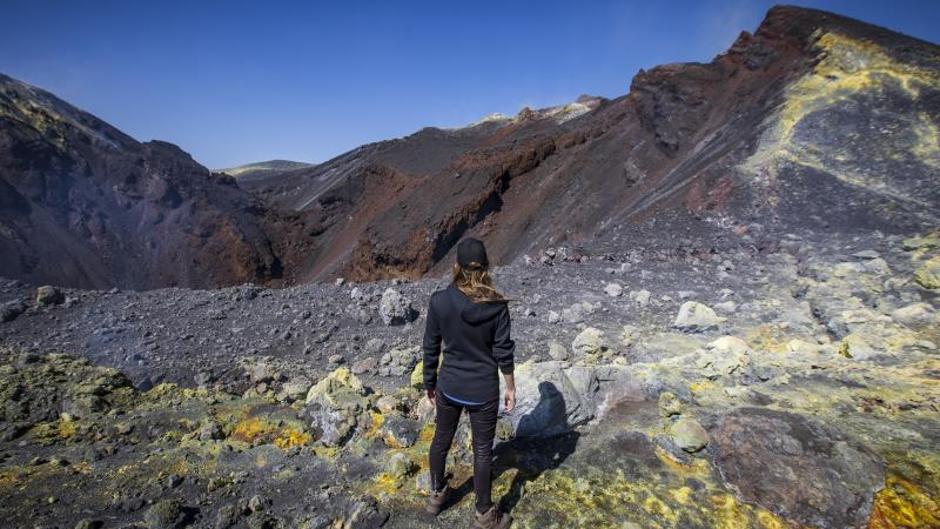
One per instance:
[(694, 316), (798, 468)]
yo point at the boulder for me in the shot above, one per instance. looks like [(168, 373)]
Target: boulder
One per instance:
[(578, 312), (400, 432), (557, 351), (335, 406), (49, 295), (395, 308), (669, 404), (802, 470), (553, 397), (723, 357), (914, 314), (688, 434), (400, 466), (295, 388), (166, 514), (589, 341), (928, 274), (694, 316), (860, 346), (11, 310), (641, 297), (366, 365)]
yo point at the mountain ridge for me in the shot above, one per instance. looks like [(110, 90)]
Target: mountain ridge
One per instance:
[(814, 119)]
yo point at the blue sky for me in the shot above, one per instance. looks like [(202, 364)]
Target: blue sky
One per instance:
[(234, 82)]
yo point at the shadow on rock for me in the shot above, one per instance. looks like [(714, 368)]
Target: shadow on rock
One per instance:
[(528, 452)]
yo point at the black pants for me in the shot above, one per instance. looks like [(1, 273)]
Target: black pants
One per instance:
[(483, 430)]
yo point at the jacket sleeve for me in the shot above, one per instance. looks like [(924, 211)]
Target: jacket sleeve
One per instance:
[(431, 347), (503, 347)]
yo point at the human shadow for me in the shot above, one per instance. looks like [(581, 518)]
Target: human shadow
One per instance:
[(543, 439)]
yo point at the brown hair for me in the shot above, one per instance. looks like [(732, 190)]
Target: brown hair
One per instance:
[(476, 283)]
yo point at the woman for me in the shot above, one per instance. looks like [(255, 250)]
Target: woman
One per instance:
[(473, 320)]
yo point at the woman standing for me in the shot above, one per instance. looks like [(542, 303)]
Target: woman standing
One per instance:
[(472, 318)]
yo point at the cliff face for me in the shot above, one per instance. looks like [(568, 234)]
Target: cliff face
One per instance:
[(82, 204), (814, 120)]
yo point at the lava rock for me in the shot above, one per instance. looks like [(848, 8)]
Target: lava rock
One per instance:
[(797, 468)]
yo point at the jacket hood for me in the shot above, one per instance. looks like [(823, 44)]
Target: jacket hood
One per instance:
[(477, 313)]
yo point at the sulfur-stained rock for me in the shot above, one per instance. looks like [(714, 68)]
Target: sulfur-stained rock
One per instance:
[(800, 469), (557, 351), (669, 404), (589, 341), (694, 316), (859, 347), (928, 275), (335, 405), (723, 356), (400, 466), (416, 380), (688, 434), (914, 314)]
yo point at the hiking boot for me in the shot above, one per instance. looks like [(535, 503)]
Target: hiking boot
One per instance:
[(436, 500), (491, 519)]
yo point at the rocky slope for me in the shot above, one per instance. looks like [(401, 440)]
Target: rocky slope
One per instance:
[(796, 385), (813, 120), (83, 204)]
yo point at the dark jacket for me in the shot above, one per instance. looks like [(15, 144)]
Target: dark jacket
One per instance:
[(476, 345)]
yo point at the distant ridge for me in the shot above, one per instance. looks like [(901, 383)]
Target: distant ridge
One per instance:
[(262, 169)]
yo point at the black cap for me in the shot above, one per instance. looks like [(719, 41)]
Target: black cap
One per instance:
[(470, 251)]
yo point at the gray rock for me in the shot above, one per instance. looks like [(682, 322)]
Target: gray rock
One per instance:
[(166, 514), (578, 312), (295, 388), (49, 295), (589, 341), (694, 316), (400, 432), (641, 297), (400, 466), (365, 365), (11, 310), (553, 397), (256, 503), (395, 309), (375, 346), (557, 351)]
